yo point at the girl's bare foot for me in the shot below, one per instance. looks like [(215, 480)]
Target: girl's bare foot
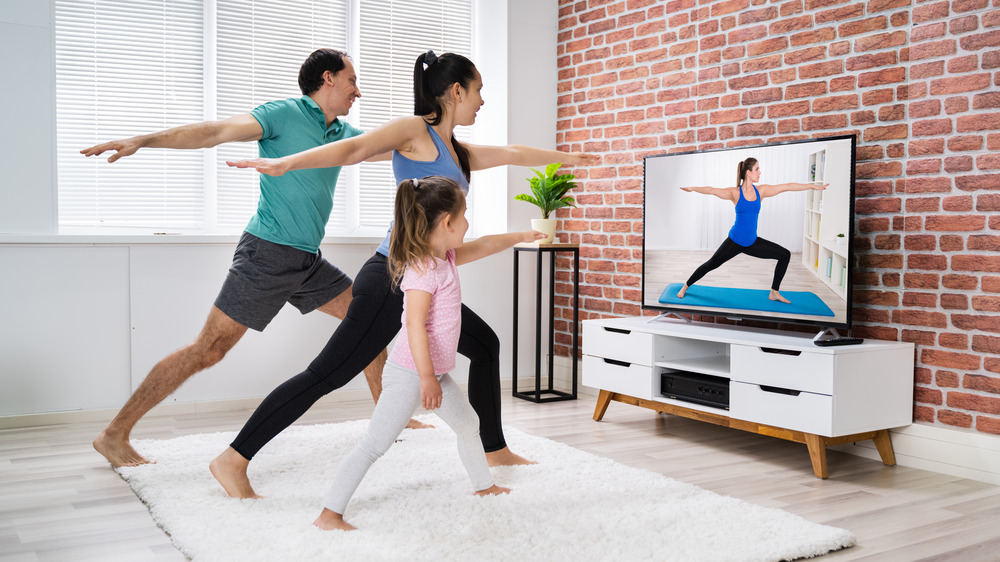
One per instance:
[(504, 457), (493, 490), (414, 424), (684, 289), (331, 520), (776, 296), (230, 469), (117, 450)]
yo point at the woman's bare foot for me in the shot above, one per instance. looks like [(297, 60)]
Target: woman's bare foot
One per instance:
[(230, 469), (117, 449), (776, 296), (504, 457), (414, 424), (330, 520), (493, 490), (684, 289)]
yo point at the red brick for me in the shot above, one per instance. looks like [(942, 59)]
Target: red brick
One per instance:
[(771, 45), (928, 31), (976, 263), (931, 127), (986, 303), (788, 109), (951, 417), (853, 10), (971, 322), (865, 62), (966, 142), (927, 395), (805, 90), (926, 70), (974, 402), (954, 302), (988, 425), (819, 70), (835, 103), (888, 132), (932, 49), (879, 77), (880, 41), (960, 203), (862, 26), (920, 280), (811, 123), (957, 84), (987, 202), (980, 181), (960, 282), (946, 379), (980, 41)]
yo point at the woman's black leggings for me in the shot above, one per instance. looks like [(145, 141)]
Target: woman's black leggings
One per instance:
[(761, 248), (372, 320)]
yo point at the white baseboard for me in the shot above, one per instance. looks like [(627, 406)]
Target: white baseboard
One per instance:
[(975, 456)]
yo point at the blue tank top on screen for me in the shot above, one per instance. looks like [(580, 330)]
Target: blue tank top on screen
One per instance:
[(744, 230), (405, 169)]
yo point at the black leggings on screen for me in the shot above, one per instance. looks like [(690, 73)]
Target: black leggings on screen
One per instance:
[(761, 248), (372, 320)]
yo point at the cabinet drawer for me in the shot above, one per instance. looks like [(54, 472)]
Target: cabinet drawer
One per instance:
[(801, 411), (621, 345), (618, 376), (812, 372)]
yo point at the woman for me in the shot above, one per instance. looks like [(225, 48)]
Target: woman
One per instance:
[(743, 237), (446, 95)]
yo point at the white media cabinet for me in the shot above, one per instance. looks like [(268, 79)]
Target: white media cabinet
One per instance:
[(780, 383)]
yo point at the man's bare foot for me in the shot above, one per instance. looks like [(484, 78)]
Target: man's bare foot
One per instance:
[(331, 520), (776, 296), (684, 289), (230, 469), (504, 457), (414, 424), (493, 490), (118, 451)]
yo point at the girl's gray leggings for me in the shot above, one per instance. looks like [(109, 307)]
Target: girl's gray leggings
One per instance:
[(400, 399)]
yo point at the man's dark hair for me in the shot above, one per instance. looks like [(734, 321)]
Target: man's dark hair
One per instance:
[(321, 60)]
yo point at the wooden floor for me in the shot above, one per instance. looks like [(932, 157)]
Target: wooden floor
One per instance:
[(60, 501)]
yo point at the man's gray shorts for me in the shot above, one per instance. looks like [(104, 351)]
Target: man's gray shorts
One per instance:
[(264, 276)]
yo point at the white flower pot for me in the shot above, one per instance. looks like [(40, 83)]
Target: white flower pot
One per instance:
[(545, 226)]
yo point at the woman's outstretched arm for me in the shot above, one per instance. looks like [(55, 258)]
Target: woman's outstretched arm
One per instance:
[(482, 157), (727, 193), (394, 135), (772, 190)]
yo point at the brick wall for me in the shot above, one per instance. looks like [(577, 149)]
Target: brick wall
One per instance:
[(918, 83)]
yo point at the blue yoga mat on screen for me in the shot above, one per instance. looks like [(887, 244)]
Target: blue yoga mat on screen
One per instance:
[(803, 302)]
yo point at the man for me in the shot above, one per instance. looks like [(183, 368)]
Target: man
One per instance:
[(277, 259)]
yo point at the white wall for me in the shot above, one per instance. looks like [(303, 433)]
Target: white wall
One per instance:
[(27, 147), (82, 319)]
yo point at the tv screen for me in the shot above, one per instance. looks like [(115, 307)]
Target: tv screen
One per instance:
[(778, 249)]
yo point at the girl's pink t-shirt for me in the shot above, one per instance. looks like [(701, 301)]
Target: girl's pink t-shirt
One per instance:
[(444, 319)]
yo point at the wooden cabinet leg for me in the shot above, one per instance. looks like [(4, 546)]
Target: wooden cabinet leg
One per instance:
[(817, 454), (884, 447), (603, 399)]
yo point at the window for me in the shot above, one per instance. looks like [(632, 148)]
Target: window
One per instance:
[(127, 67)]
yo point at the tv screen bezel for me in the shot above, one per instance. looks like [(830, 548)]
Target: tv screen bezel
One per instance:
[(667, 308)]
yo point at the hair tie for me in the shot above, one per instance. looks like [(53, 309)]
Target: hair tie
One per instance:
[(429, 58), (416, 184)]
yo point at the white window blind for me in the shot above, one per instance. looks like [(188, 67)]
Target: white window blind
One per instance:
[(124, 68), (128, 67), (393, 33), (260, 46)]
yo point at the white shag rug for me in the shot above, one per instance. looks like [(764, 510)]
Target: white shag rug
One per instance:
[(416, 504)]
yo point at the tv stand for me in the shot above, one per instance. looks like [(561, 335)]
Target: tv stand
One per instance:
[(780, 384)]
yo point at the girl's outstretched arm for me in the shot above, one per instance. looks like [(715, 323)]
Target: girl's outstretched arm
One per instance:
[(772, 190), (418, 306), (489, 245), (394, 135), (483, 157)]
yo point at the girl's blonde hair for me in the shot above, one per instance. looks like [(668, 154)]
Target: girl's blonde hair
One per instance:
[(420, 204)]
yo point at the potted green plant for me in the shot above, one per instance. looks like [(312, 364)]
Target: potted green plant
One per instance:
[(548, 192), (841, 239)]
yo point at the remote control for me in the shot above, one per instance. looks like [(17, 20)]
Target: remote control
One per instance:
[(842, 340)]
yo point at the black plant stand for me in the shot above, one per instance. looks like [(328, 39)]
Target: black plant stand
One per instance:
[(551, 249)]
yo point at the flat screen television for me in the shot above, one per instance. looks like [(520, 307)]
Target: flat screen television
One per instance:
[(688, 226)]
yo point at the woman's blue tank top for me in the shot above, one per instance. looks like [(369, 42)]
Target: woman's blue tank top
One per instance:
[(405, 169), (744, 230)]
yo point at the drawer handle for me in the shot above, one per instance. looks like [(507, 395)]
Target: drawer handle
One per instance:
[(777, 390), (618, 330), (616, 362), (777, 351)]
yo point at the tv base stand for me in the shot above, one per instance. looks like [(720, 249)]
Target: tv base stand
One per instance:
[(776, 383), (816, 444)]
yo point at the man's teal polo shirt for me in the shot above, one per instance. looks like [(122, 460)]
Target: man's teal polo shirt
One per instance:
[(294, 208)]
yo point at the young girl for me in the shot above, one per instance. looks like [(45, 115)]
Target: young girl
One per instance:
[(425, 248), (743, 237), (446, 92)]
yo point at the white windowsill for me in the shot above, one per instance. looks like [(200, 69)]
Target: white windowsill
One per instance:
[(134, 239)]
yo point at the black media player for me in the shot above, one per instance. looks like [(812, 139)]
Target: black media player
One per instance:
[(706, 390)]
